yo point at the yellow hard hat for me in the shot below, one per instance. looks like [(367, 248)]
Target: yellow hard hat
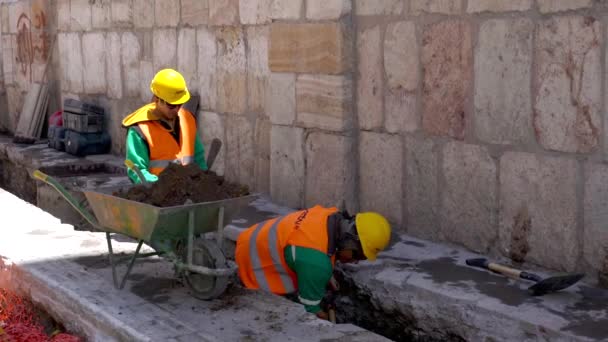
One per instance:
[(170, 86), (374, 233)]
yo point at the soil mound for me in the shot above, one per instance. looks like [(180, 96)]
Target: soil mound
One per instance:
[(177, 184)]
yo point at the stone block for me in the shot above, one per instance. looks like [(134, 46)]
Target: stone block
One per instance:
[(287, 166), (447, 63), (449, 7), (286, 9), (231, 71), (476, 6), (146, 72), (143, 14), (195, 12), (223, 12), (503, 60), (421, 187), (401, 55), (538, 198), (16, 99), (4, 24), (262, 161), (131, 55), (63, 15), (381, 175), (370, 90), (321, 48), (80, 14), (281, 98), (210, 126), (207, 68), (166, 13), (240, 157), (113, 64), (567, 84), (379, 7), (187, 57), (101, 14), (94, 53), (254, 12), (324, 101), (8, 58), (547, 6), (122, 13), (71, 62), (595, 238), (401, 111), (257, 67), (327, 9), (469, 200), (164, 54), (15, 9), (330, 170)]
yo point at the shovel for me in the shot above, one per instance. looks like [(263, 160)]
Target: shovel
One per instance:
[(542, 286)]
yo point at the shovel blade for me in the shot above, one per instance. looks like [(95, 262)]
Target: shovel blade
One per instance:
[(553, 284)]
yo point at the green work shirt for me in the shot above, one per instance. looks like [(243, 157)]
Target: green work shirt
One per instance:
[(313, 270), (139, 153)]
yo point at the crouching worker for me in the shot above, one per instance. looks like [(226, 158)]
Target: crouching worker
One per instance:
[(163, 132), (296, 253)]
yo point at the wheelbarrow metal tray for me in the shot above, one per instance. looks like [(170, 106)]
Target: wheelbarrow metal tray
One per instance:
[(151, 223)]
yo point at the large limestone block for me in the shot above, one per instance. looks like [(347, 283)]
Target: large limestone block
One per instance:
[(71, 62), (143, 14), (131, 55), (476, 6), (381, 175), (146, 72), (371, 80), (63, 16), (207, 68), (8, 57), (287, 165), (503, 103), (211, 126), (16, 99), (547, 6), (282, 98), (286, 9), (447, 63), (401, 111), (327, 9), (568, 84), (122, 13), (113, 65), (421, 187), (379, 7), (262, 161), (322, 48), (240, 157), (195, 12), (232, 71), (469, 200), (257, 67), (101, 14), (166, 13), (223, 12), (538, 210), (324, 101), (254, 12), (187, 57), (436, 6), (595, 247), (5, 16), (164, 54), (330, 170), (80, 14), (401, 55), (94, 57)]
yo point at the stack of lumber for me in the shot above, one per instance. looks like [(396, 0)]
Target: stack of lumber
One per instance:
[(33, 114)]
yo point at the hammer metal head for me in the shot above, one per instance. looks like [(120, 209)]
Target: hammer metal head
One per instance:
[(553, 284)]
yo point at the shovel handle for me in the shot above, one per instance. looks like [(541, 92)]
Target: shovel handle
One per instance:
[(504, 270), (332, 315), (508, 271)]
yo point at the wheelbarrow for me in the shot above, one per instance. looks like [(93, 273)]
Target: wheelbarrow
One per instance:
[(173, 232)]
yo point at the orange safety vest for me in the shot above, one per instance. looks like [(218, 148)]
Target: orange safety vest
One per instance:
[(163, 147), (259, 249)]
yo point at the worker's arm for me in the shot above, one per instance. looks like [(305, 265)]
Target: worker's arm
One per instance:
[(313, 269), (199, 153), (138, 153)]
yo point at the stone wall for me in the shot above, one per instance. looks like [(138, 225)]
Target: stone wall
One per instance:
[(478, 122)]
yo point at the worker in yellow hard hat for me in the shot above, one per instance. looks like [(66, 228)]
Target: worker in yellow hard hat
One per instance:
[(296, 253), (162, 132)]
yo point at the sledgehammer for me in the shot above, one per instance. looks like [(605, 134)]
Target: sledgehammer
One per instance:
[(542, 286)]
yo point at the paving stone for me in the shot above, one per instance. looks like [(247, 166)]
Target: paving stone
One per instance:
[(164, 48), (401, 55), (476, 6), (166, 13), (547, 6), (187, 57), (381, 174), (436, 6), (401, 111), (223, 12), (595, 209), (80, 15), (101, 14), (287, 165), (286, 9), (327, 9), (131, 52), (254, 12), (281, 98), (262, 149), (122, 13), (568, 100), (324, 101), (469, 200), (371, 80), (113, 63), (538, 202), (195, 12), (447, 63), (309, 48), (257, 67), (240, 158), (207, 68), (210, 126), (232, 71), (143, 14), (503, 104), (379, 7)]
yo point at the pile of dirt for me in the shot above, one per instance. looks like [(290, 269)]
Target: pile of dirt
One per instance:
[(177, 184)]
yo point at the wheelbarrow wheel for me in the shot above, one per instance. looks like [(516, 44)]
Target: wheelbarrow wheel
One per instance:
[(206, 253)]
